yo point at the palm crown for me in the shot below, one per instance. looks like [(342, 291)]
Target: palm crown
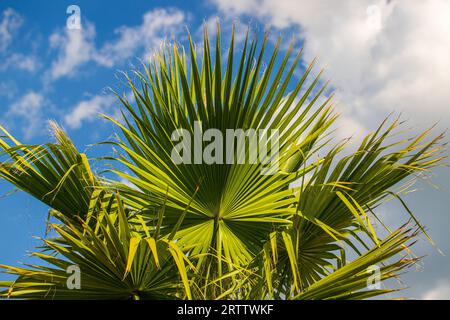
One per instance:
[(216, 231)]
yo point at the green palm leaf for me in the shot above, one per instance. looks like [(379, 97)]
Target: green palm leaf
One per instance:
[(115, 262), (55, 173)]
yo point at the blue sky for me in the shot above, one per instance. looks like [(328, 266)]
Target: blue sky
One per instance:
[(382, 56)]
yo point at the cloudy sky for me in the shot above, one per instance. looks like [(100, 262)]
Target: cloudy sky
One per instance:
[(381, 56)]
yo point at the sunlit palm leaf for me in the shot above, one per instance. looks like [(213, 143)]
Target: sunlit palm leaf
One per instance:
[(56, 174)]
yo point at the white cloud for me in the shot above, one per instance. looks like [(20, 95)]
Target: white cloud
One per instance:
[(30, 103), (440, 292), (8, 89), (226, 23), (77, 47), (10, 21), (382, 55), (88, 110), (28, 109), (348, 127), (21, 62), (156, 26)]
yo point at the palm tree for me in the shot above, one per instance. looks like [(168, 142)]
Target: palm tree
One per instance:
[(220, 231)]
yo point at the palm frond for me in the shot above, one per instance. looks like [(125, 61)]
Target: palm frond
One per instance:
[(352, 281), (115, 262), (55, 173), (221, 229)]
